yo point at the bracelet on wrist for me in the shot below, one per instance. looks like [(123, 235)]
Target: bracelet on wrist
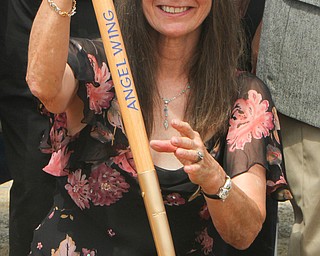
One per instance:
[(63, 13), (223, 191)]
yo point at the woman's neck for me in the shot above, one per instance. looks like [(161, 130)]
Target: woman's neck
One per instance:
[(174, 54)]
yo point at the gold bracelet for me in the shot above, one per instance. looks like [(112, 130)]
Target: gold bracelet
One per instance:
[(63, 13)]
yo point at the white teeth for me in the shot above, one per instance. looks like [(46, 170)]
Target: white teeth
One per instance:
[(173, 9)]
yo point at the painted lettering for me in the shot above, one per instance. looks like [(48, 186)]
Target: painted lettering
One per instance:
[(132, 105), (122, 69), (126, 83)]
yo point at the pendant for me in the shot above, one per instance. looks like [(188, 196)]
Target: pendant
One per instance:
[(165, 110), (167, 101), (166, 124)]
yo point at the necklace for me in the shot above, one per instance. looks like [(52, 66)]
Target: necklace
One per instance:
[(166, 103)]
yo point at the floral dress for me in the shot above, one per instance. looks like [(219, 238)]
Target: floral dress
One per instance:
[(98, 208)]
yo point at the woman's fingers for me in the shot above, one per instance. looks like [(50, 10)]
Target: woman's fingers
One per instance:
[(182, 142), (184, 128), (192, 156), (188, 148), (181, 147), (162, 146)]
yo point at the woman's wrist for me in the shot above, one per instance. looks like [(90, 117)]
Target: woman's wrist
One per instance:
[(68, 12), (223, 191), (218, 182)]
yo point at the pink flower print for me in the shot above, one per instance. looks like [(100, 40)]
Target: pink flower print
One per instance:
[(250, 118), (101, 75), (283, 194), (206, 241), (58, 138), (125, 161), (86, 252), (101, 133), (51, 214), (274, 185), (66, 247), (78, 189), (58, 163), (39, 246), (174, 199), (58, 133), (110, 232), (106, 185), (60, 120), (274, 155), (99, 96), (114, 115), (204, 212)]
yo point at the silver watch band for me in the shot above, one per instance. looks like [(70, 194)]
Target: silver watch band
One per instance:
[(223, 191)]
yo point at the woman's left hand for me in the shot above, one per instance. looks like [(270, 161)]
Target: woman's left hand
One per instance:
[(191, 152)]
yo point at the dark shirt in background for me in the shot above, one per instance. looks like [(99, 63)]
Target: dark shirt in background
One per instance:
[(31, 194)]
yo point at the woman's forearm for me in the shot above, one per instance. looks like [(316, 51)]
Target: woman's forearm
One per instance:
[(239, 218), (48, 51), (238, 221)]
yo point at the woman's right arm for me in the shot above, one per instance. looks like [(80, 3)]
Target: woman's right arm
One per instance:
[(49, 77)]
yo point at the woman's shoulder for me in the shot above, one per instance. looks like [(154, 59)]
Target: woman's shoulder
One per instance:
[(84, 46), (85, 55), (86, 43), (248, 82)]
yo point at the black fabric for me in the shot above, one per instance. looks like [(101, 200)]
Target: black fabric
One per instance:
[(4, 172), (3, 22), (251, 21), (32, 190), (253, 17)]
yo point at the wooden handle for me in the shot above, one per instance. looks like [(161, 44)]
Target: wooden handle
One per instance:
[(133, 124)]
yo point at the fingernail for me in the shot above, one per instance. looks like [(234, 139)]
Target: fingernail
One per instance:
[(174, 140), (174, 121)]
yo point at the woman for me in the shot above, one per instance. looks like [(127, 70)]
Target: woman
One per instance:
[(184, 58)]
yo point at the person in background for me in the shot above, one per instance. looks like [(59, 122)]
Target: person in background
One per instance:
[(4, 173), (31, 194), (251, 13), (215, 159), (289, 63)]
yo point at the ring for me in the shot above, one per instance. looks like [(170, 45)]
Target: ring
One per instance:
[(200, 156)]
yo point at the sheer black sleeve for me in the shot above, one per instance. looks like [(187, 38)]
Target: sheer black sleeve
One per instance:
[(254, 136)]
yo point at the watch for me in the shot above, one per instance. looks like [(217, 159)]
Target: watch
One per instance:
[(223, 191)]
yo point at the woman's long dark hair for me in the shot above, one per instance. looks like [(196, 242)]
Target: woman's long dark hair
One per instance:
[(212, 70)]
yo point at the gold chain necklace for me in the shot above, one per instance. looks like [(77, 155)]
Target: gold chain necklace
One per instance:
[(166, 103)]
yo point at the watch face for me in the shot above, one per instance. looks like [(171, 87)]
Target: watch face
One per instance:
[(224, 194)]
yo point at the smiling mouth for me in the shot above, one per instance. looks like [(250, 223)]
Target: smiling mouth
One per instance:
[(174, 10)]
